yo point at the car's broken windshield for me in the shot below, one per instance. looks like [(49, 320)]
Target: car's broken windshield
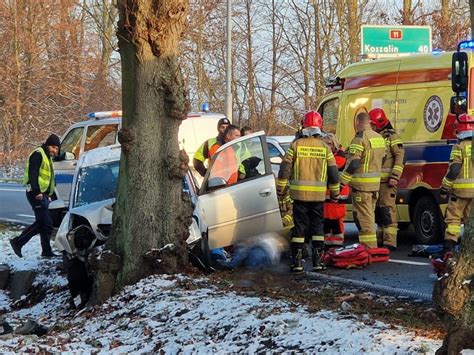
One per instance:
[(97, 183)]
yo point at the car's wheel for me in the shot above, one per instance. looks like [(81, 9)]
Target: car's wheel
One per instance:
[(79, 280), (427, 221), (200, 255)]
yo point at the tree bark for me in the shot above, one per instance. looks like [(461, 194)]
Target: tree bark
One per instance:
[(453, 295), (407, 13), (152, 214)]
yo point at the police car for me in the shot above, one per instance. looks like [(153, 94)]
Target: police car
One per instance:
[(101, 130)]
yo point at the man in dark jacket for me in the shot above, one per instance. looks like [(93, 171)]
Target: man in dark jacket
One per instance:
[(39, 181)]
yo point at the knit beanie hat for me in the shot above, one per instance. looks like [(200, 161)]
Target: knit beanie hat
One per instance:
[(53, 140)]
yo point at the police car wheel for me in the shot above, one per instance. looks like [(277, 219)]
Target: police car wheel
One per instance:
[(427, 221)]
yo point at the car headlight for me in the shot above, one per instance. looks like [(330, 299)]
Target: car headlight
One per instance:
[(194, 233), (61, 242)]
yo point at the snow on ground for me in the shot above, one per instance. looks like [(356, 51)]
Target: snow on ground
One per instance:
[(181, 314)]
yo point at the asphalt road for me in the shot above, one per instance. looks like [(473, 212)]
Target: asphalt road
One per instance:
[(14, 207), (402, 275)]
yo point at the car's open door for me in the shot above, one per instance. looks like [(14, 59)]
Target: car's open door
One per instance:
[(238, 194)]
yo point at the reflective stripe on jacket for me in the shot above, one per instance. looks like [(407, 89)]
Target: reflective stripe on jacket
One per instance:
[(45, 174), (392, 165), (463, 184), (310, 164), (369, 148)]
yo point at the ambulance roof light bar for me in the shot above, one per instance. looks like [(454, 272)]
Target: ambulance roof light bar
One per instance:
[(469, 44), (104, 114)]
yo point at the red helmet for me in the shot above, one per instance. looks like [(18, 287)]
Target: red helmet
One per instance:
[(378, 118), (464, 126), (312, 119)]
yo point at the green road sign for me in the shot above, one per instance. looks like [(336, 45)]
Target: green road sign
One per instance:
[(392, 40)]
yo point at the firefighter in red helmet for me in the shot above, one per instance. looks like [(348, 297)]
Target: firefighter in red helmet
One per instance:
[(392, 169), (310, 167)]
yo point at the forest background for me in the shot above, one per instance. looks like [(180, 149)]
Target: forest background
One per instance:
[(59, 59)]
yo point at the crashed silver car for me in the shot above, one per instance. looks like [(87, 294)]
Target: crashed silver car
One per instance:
[(224, 210)]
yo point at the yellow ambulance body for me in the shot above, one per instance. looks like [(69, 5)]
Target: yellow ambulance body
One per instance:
[(415, 92)]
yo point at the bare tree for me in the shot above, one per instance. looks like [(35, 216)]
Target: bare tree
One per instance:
[(151, 216)]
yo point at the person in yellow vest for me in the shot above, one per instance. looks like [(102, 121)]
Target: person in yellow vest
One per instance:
[(459, 182), (39, 181), (392, 169), (362, 172), (310, 166), (202, 154)]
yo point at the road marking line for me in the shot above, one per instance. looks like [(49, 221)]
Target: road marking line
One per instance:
[(13, 190), (25, 215), (408, 262)]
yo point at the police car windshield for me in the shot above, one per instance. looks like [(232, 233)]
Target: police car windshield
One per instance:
[(97, 183), (285, 146)]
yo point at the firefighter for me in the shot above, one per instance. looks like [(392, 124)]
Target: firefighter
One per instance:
[(362, 174), (334, 212), (310, 166), (392, 169), (459, 182), (39, 180), (202, 154)]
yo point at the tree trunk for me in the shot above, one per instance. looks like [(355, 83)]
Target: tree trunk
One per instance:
[(152, 214), (407, 14), (252, 118), (453, 295)]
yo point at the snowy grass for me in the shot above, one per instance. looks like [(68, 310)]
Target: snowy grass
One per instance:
[(184, 315)]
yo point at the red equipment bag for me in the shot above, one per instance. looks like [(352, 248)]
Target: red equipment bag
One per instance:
[(379, 255), (351, 256), (355, 256)]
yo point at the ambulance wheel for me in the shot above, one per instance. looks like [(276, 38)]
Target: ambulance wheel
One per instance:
[(427, 221)]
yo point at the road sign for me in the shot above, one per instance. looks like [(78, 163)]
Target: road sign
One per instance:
[(392, 40)]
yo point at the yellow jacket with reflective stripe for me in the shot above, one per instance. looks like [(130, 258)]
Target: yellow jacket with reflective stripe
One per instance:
[(306, 164), (369, 147), (45, 174), (392, 165), (463, 184)]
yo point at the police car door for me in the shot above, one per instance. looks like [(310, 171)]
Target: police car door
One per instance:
[(238, 194)]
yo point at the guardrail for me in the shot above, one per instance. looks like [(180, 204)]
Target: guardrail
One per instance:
[(12, 181)]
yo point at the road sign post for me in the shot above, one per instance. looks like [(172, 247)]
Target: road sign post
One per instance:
[(394, 40)]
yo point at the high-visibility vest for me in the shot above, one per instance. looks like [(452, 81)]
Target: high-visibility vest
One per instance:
[(45, 174)]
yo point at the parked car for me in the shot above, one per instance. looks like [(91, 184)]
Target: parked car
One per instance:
[(224, 212), (101, 130), (277, 147)]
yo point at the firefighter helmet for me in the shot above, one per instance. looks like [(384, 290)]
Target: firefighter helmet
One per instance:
[(464, 126), (312, 119), (378, 118)]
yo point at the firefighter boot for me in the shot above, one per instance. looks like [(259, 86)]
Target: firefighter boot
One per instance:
[(296, 259), (317, 253)]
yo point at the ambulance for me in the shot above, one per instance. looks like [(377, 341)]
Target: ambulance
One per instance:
[(100, 129), (416, 93)]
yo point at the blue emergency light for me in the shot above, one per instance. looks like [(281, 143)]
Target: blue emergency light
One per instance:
[(466, 45), (205, 107)]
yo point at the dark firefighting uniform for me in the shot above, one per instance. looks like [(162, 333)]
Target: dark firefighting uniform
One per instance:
[(310, 166), (362, 172), (392, 168), (460, 181)]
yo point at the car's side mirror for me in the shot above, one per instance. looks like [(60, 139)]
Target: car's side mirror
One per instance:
[(276, 160), (69, 156), (57, 204), (458, 105), (215, 183)]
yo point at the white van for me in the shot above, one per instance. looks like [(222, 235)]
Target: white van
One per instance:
[(101, 130)]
